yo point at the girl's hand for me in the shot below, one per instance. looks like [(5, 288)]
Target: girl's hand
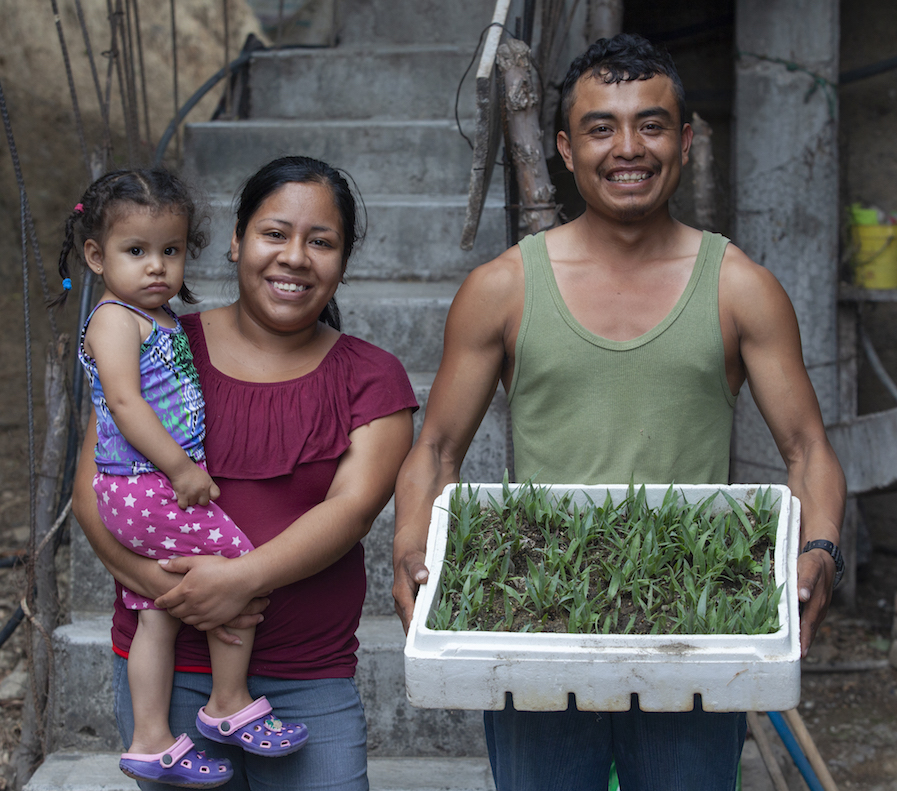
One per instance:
[(193, 485)]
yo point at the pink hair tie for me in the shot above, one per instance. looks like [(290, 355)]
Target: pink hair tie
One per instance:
[(79, 208)]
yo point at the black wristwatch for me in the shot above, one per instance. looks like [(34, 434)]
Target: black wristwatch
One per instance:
[(833, 550)]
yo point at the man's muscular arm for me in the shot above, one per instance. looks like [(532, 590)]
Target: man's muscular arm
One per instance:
[(770, 352), (477, 332)]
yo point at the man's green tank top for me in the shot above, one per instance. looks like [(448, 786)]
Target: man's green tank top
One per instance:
[(588, 410)]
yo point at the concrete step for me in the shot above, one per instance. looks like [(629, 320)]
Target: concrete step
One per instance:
[(409, 237), (83, 717), (398, 157), (395, 728), (336, 83), (84, 721), (78, 771), (406, 319), (65, 771), (412, 21)]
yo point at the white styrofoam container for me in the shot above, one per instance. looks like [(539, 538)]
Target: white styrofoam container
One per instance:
[(475, 670)]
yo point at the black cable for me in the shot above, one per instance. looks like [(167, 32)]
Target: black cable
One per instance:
[(867, 71), (17, 617), (467, 71), (194, 100)]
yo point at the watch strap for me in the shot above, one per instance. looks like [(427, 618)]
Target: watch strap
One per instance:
[(832, 549)]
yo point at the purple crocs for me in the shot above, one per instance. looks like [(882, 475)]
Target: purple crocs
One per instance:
[(180, 765), (254, 729)]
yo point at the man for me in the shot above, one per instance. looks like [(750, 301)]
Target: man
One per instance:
[(622, 339)]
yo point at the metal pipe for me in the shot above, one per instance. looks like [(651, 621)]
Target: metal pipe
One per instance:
[(794, 750)]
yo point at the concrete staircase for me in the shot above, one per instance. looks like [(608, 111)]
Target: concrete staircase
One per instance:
[(380, 105)]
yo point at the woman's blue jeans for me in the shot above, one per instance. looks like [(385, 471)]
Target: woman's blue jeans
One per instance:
[(335, 756), (572, 750)]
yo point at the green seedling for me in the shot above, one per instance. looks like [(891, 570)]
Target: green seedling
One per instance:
[(533, 561)]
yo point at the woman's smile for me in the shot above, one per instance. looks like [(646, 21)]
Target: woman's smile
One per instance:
[(288, 288)]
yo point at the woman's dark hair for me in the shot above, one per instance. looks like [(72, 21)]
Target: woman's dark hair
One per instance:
[(623, 58), (107, 199), (305, 170)]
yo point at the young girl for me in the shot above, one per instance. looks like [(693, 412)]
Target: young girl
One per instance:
[(135, 229)]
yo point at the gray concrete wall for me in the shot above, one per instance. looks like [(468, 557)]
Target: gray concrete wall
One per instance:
[(785, 177)]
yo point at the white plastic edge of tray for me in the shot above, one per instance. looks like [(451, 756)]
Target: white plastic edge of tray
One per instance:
[(476, 670)]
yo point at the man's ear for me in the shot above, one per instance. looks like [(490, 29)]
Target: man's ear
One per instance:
[(563, 143), (93, 255), (687, 136)]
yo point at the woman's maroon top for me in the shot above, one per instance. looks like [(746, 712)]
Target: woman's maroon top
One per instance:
[(273, 449)]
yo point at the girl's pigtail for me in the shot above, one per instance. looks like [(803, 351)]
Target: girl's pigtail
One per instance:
[(67, 244), (187, 296)]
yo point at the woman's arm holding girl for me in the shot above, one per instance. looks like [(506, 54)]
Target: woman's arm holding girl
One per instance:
[(142, 575), (211, 592)]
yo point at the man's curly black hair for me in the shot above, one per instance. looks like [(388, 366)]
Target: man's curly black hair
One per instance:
[(624, 57)]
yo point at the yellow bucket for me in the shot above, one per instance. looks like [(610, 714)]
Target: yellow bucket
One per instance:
[(875, 256)]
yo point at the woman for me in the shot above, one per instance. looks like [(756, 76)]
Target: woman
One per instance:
[(306, 430)]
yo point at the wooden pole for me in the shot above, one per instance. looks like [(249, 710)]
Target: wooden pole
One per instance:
[(796, 723), (522, 101), (892, 653), (488, 127), (41, 602), (766, 753)]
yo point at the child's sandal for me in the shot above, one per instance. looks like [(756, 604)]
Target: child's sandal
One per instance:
[(180, 765), (254, 729)]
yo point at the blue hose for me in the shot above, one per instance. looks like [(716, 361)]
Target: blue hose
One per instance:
[(797, 755)]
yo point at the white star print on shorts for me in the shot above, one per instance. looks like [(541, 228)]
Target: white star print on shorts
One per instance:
[(142, 512)]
